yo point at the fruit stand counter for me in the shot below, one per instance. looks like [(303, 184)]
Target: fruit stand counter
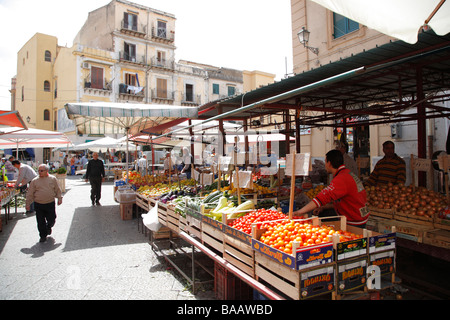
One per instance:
[(316, 262), (6, 196)]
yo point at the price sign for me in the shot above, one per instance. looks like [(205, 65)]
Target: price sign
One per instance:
[(224, 163), (302, 164)]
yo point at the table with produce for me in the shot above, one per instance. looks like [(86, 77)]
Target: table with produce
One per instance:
[(8, 194)]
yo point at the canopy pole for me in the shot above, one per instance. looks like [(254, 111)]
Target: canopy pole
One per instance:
[(126, 164)]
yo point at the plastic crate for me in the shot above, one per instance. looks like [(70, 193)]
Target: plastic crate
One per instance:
[(229, 287)]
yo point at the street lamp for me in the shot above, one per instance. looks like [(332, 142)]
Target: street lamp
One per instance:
[(303, 37)]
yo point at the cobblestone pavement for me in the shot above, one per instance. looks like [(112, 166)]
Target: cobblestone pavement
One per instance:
[(91, 254)]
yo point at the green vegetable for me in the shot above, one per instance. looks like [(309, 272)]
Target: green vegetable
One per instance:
[(223, 202)]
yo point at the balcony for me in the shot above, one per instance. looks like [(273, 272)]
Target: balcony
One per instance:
[(162, 96), (189, 99), (131, 93), (162, 64), (163, 35), (98, 92), (138, 31), (132, 59)]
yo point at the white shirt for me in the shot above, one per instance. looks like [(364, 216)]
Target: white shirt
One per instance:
[(26, 174)]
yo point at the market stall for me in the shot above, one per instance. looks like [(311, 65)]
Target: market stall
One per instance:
[(319, 97)]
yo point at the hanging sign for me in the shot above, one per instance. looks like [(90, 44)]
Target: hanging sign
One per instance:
[(302, 164)]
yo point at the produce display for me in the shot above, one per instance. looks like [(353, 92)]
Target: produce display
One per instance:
[(244, 223), (159, 189), (311, 193), (281, 234), (416, 202), (135, 178)]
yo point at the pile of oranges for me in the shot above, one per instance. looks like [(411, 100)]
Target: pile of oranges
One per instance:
[(281, 234)]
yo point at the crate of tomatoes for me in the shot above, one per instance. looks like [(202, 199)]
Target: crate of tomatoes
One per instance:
[(237, 238)]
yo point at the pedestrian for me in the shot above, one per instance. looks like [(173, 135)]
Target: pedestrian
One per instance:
[(186, 162), (42, 192), (345, 196), (95, 174), (26, 174), (349, 162), (390, 169), (142, 165), (66, 163), (72, 166), (10, 169)]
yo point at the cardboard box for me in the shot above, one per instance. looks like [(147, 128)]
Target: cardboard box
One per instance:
[(351, 274), (126, 211)]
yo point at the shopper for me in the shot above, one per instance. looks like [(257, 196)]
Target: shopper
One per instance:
[(186, 162), (349, 162), (345, 196), (391, 168), (142, 165), (10, 169), (72, 166), (95, 174), (26, 174), (167, 163), (42, 192)]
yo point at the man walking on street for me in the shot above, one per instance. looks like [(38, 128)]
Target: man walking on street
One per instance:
[(42, 191), (95, 173)]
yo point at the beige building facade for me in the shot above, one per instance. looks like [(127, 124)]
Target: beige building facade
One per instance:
[(124, 52)]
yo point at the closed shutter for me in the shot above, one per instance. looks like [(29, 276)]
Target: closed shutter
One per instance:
[(96, 78), (161, 88)]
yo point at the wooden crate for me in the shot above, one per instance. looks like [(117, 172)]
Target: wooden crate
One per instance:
[(182, 224), (194, 223), (437, 238), (351, 275), (126, 211), (296, 284), (172, 219), (240, 254), (405, 216), (443, 224), (212, 233), (238, 248), (383, 213), (142, 201), (405, 230)]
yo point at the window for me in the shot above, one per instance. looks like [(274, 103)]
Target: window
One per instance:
[(46, 115), (160, 58), (130, 21), (23, 93), (189, 93), (96, 77), (48, 56), (130, 52), (162, 29), (130, 79), (343, 25), (161, 88), (47, 86), (231, 91), (215, 88)]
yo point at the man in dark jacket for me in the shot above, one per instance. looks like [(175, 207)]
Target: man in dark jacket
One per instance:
[(95, 173)]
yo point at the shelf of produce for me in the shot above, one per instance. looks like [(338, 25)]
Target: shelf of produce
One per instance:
[(406, 230), (424, 220)]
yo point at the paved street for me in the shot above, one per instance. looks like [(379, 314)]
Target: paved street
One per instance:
[(91, 254)]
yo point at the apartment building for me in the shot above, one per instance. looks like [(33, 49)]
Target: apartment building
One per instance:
[(124, 52)]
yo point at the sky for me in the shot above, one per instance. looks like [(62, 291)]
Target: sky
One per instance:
[(237, 34)]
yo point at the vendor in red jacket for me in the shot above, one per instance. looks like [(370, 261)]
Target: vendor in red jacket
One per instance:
[(344, 196)]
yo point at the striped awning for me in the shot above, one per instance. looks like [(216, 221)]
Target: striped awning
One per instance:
[(112, 118)]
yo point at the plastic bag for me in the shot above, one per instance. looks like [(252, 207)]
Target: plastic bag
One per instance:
[(150, 219)]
